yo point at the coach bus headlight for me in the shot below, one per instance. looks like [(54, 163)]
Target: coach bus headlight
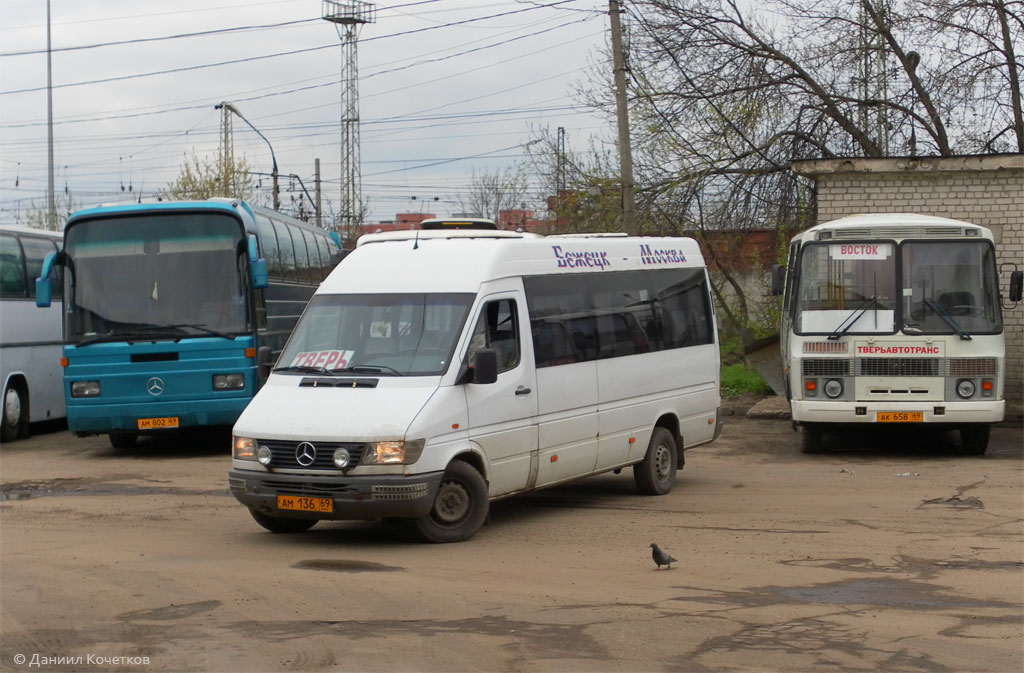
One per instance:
[(833, 388), (965, 388), (393, 453), (244, 448), (85, 389), (228, 381)]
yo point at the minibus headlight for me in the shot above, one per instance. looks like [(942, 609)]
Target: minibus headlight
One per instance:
[(833, 388), (85, 389), (264, 456), (393, 453), (228, 381), (244, 448), (965, 388)]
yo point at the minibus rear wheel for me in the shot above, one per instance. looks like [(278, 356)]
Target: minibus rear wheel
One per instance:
[(460, 506), (276, 524), (656, 473)]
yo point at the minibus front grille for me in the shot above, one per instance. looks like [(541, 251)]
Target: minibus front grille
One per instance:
[(303, 489), (285, 454), (898, 367), (972, 366), (826, 367)]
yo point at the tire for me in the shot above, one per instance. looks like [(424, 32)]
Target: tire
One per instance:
[(811, 438), (460, 506), (15, 414), (656, 473), (123, 440), (276, 524), (974, 438)]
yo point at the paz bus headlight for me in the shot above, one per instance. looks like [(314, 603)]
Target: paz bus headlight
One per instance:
[(833, 388), (965, 388)]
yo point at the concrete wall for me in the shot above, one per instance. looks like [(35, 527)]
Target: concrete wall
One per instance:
[(986, 190)]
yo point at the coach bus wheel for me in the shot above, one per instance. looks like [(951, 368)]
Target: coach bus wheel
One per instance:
[(656, 473), (123, 440), (276, 524), (14, 421), (460, 506), (974, 438), (810, 438)]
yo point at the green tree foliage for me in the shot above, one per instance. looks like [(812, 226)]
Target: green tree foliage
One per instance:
[(200, 179)]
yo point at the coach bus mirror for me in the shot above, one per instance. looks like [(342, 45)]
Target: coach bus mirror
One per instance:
[(778, 279), (335, 237), (43, 290), (257, 266), (1016, 285)]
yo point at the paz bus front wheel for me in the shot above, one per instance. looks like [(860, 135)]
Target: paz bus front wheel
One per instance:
[(974, 438), (811, 438)]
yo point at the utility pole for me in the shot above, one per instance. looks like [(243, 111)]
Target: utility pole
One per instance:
[(316, 173), (51, 210), (227, 151), (622, 113)]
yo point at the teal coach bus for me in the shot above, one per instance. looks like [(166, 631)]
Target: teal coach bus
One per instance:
[(175, 311)]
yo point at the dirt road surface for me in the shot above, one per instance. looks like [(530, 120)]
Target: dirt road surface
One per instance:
[(891, 552)]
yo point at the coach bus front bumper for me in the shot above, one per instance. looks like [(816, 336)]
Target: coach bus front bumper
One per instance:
[(947, 413), (102, 418), (351, 498)]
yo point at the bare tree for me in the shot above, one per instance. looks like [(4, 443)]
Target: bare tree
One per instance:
[(203, 178), (494, 191)]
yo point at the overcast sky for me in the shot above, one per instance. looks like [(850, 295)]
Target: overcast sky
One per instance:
[(446, 87)]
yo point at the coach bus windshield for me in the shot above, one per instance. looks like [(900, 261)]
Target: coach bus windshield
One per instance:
[(155, 277), (950, 287)]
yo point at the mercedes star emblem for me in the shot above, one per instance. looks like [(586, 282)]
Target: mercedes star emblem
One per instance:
[(305, 454), (155, 386)]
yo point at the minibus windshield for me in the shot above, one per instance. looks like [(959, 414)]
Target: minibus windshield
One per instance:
[(377, 334)]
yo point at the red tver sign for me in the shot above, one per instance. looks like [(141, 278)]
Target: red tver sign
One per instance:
[(325, 359)]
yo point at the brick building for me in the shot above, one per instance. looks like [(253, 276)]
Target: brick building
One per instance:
[(984, 189)]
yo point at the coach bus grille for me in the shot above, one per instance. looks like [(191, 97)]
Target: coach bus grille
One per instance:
[(283, 454), (898, 367), (826, 367), (972, 366)]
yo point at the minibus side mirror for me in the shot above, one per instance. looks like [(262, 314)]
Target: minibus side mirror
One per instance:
[(264, 363), (778, 279), (485, 366), (257, 266), (43, 289), (1016, 285)]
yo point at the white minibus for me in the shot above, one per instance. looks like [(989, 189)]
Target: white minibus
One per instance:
[(894, 319), (436, 371)]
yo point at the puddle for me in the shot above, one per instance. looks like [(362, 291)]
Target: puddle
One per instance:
[(25, 490), (345, 566), (171, 612), (887, 593), (970, 502)]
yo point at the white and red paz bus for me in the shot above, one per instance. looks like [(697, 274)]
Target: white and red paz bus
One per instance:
[(894, 318)]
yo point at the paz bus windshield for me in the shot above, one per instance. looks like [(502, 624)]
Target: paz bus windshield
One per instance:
[(157, 277)]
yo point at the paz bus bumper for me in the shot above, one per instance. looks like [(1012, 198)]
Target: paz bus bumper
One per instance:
[(946, 413)]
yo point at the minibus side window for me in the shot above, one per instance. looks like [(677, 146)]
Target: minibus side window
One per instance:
[(497, 328)]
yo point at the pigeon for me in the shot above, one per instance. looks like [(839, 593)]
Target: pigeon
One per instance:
[(661, 558)]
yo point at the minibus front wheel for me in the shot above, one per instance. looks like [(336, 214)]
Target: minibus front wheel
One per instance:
[(656, 473), (460, 506), (277, 524)]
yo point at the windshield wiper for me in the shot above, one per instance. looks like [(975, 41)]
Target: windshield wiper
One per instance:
[(304, 369), (100, 338), (367, 369), (845, 326), (941, 312), (180, 327)]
